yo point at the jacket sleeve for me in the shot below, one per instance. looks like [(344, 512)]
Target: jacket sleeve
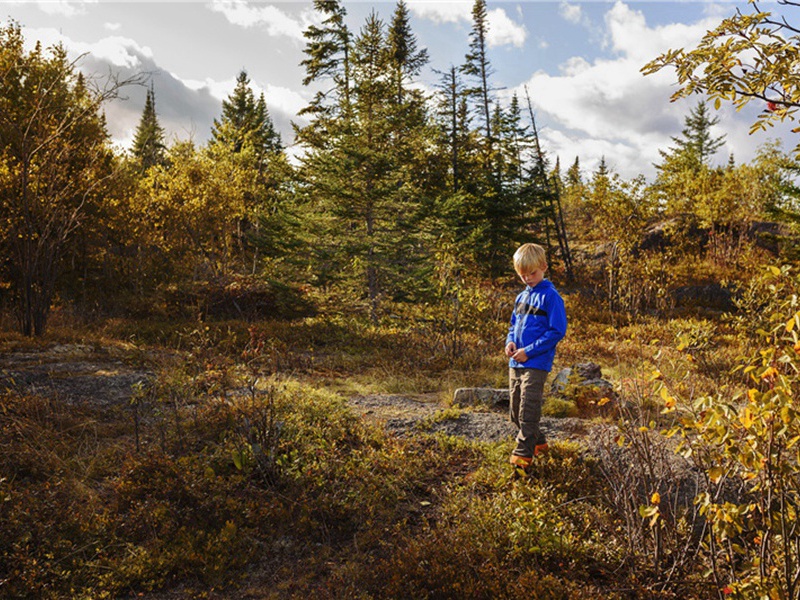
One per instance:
[(510, 336), (556, 328)]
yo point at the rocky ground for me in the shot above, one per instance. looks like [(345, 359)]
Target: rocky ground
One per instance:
[(404, 414), (78, 373), (75, 373)]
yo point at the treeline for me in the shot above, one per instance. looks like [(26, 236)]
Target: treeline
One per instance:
[(400, 196)]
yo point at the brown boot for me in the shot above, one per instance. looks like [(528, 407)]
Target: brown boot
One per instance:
[(521, 464), (521, 461)]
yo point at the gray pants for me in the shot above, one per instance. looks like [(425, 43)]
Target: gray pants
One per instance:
[(526, 387)]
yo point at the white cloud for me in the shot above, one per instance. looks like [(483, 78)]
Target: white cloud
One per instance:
[(66, 8), (606, 107), (571, 12), (503, 30), (442, 12), (117, 50), (112, 26), (275, 21)]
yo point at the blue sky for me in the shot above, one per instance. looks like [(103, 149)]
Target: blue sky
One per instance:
[(580, 62)]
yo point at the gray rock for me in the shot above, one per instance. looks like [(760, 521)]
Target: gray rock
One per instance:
[(561, 381), (582, 375), (588, 370), (481, 397)]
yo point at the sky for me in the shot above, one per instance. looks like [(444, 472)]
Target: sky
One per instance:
[(578, 61)]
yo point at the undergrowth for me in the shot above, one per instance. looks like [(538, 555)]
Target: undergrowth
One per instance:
[(239, 463)]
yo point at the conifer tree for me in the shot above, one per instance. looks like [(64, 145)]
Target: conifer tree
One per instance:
[(685, 178), (478, 66), (454, 125), (245, 122), (405, 60), (148, 142), (365, 172), (696, 145), (328, 58)]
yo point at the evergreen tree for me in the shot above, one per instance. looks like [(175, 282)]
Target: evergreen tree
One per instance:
[(328, 57), (405, 60), (696, 145), (453, 117), (148, 142), (245, 122), (366, 173), (685, 178), (478, 66)]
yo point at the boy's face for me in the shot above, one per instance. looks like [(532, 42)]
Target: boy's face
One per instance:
[(534, 277)]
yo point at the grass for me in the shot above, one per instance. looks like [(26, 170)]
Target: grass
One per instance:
[(248, 456)]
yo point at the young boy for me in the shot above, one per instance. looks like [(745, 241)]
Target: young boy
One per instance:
[(538, 323)]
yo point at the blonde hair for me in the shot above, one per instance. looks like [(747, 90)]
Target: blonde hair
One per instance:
[(529, 257)]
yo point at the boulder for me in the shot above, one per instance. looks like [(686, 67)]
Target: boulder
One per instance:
[(584, 385), (711, 296), (481, 397)]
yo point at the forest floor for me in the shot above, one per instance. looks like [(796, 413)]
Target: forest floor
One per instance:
[(105, 377), (100, 376)]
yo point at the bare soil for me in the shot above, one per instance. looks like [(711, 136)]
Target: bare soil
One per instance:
[(79, 373), (407, 414), (74, 373)]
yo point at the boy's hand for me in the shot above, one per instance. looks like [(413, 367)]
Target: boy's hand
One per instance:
[(520, 356), (510, 349)]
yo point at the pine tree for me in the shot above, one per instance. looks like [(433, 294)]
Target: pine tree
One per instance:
[(148, 142), (245, 122), (328, 51), (477, 64), (696, 145), (405, 60)]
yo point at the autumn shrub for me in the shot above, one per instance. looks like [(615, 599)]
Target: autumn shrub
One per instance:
[(744, 440), (489, 537), (237, 297)]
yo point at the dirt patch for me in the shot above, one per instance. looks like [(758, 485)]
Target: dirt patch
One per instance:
[(72, 372), (80, 374), (410, 414)]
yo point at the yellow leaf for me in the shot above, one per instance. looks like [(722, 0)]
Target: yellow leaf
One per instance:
[(790, 325), (752, 394), (770, 372), (714, 473), (746, 418), (603, 401), (644, 429), (655, 498)]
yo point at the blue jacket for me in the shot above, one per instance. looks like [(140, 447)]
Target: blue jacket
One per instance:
[(538, 323)]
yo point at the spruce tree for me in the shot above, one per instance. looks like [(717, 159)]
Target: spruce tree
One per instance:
[(148, 142), (245, 122), (477, 64), (696, 145), (328, 57), (405, 60), (365, 173)]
